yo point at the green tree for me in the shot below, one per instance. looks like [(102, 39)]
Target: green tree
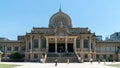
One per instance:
[(16, 56), (110, 58)]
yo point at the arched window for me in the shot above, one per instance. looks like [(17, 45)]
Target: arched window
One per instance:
[(29, 45), (43, 43), (86, 43), (35, 43), (1, 48), (78, 43)]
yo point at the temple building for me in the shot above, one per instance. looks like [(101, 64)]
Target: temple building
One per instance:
[(61, 41)]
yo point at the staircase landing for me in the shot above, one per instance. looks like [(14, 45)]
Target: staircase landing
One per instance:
[(61, 57)]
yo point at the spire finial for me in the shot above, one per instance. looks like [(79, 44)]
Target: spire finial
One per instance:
[(60, 7)]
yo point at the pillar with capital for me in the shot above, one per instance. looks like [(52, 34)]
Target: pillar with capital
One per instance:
[(94, 45), (31, 42), (31, 56), (66, 44), (26, 49), (89, 44), (55, 44), (94, 56), (39, 42), (74, 44), (26, 44), (47, 47), (81, 44), (26, 56)]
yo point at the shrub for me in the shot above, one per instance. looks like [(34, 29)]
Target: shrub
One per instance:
[(16, 56)]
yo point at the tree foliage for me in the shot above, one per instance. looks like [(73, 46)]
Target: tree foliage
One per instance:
[(16, 56)]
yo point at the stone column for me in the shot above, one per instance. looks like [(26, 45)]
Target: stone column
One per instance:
[(39, 43), (89, 55), (74, 44), (89, 44), (94, 45), (31, 56), (55, 44), (5, 51), (26, 44), (47, 47), (94, 56), (81, 44), (31, 43), (26, 56), (66, 44)]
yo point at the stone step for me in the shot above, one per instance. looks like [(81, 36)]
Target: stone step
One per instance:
[(61, 55), (61, 59)]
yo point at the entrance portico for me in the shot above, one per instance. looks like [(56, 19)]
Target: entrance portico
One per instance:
[(60, 44)]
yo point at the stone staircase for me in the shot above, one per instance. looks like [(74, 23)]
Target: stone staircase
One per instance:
[(61, 57)]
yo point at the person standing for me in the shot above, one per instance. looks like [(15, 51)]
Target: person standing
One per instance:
[(55, 62), (98, 61), (79, 58), (104, 61), (68, 61), (91, 60)]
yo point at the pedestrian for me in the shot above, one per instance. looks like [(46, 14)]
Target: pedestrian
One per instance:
[(113, 61), (68, 61), (91, 60), (41, 60), (82, 61), (55, 62), (104, 61), (79, 58), (98, 61)]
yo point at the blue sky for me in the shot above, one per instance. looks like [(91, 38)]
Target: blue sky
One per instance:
[(19, 16)]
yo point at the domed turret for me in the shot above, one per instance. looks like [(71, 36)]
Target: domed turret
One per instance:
[(57, 18)]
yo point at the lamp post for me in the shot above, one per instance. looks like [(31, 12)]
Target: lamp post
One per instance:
[(1, 55)]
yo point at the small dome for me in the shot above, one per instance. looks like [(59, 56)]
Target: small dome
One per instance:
[(57, 18)]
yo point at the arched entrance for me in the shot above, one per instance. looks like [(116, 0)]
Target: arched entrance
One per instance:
[(60, 47), (70, 47), (51, 47)]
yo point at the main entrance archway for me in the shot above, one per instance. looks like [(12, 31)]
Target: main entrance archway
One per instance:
[(51, 47), (61, 47), (70, 47)]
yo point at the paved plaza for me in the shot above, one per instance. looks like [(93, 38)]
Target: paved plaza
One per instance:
[(62, 65)]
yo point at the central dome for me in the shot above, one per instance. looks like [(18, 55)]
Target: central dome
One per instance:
[(59, 17)]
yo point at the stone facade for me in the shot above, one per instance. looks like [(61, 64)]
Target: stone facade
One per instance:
[(60, 40)]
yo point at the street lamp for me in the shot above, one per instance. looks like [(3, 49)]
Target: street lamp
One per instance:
[(1, 55)]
